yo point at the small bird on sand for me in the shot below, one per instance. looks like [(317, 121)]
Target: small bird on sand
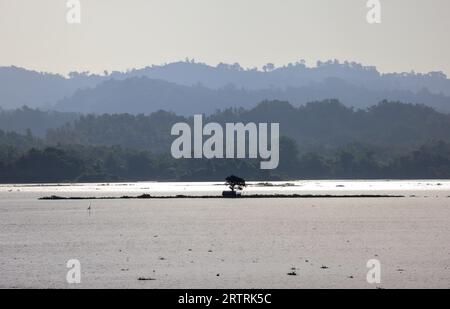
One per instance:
[(89, 209)]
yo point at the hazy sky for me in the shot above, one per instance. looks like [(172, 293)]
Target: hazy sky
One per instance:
[(122, 34)]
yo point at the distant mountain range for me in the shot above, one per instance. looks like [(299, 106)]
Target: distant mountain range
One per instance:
[(188, 87)]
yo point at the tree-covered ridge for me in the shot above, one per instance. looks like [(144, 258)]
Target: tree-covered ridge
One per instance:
[(321, 140), (38, 121), (145, 95), (318, 126), (351, 82)]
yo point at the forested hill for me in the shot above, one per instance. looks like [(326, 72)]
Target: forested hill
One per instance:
[(143, 95), (321, 140), (37, 121), (222, 86), (317, 126)]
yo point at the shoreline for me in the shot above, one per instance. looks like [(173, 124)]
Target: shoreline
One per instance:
[(252, 196)]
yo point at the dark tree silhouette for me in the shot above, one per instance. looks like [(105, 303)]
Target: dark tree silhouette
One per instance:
[(235, 182)]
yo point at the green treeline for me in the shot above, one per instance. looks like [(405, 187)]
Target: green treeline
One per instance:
[(321, 140)]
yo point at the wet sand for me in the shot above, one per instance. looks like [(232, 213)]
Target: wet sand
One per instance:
[(216, 243)]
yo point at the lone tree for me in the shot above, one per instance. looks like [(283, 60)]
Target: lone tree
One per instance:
[(234, 182)]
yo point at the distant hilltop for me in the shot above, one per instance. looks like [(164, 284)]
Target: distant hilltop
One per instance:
[(187, 87)]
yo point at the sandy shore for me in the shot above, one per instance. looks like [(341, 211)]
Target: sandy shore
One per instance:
[(226, 244)]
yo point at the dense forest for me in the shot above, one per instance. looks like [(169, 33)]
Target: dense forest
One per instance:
[(320, 140), (318, 126), (78, 163)]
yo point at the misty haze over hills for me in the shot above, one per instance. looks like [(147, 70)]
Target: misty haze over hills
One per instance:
[(189, 87), (144, 95)]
